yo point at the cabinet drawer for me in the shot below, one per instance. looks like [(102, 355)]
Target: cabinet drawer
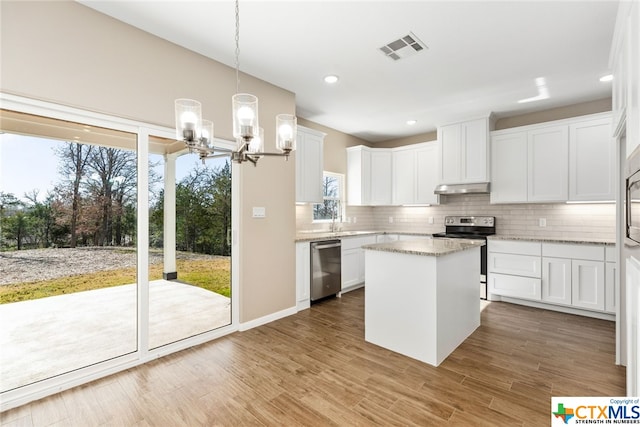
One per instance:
[(610, 253), (562, 250), (519, 265), (514, 247), (515, 286)]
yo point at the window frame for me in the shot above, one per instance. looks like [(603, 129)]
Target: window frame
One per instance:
[(341, 199)]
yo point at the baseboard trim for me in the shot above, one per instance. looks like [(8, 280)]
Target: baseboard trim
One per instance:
[(245, 326)]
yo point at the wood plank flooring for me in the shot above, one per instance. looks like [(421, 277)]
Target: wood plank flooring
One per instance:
[(315, 369)]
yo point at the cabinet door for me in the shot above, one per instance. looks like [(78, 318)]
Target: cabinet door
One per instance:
[(309, 166), (381, 177), (450, 154), (358, 176), (351, 267), (610, 287), (303, 274), (587, 281), (592, 161), (404, 177), (474, 136), (556, 280), (509, 168), (427, 174), (548, 161)]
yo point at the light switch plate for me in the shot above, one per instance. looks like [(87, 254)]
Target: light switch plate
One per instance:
[(259, 212)]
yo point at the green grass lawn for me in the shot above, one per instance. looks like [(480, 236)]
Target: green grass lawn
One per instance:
[(213, 275)]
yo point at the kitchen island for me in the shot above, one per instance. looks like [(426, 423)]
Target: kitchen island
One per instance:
[(422, 297)]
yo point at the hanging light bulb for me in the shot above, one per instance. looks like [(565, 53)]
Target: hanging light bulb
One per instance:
[(188, 120), (206, 135), (245, 116), (286, 130)]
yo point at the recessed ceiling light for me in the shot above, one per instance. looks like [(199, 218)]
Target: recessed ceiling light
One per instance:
[(331, 79), (411, 122), (606, 78)]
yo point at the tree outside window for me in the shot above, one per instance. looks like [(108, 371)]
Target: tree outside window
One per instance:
[(333, 195)]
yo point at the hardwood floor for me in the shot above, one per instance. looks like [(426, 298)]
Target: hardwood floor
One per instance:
[(314, 368)]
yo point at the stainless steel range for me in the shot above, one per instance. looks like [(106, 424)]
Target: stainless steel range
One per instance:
[(475, 228)]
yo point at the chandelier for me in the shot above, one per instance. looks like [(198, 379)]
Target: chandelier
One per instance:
[(197, 133)]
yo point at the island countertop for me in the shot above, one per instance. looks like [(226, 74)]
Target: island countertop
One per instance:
[(429, 247)]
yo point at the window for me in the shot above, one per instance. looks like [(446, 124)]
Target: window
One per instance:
[(333, 195)]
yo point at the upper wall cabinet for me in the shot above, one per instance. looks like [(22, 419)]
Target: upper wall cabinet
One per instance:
[(398, 176), (509, 168), (464, 155), (548, 164), (359, 176), (625, 63), (592, 154), (567, 160), (415, 174), (381, 176), (309, 165), (368, 176)]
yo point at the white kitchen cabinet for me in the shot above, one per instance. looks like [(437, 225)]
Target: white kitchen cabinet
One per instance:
[(556, 280), (565, 160), (572, 275), (353, 261), (619, 83), (427, 171), (359, 176), (303, 275), (587, 282), (463, 149), (381, 177), (309, 165), (404, 176), (575, 275), (610, 287), (514, 269), (509, 168), (548, 164), (592, 154), (406, 237), (386, 238), (415, 169)]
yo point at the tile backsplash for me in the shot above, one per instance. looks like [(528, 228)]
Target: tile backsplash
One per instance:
[(591, 220)]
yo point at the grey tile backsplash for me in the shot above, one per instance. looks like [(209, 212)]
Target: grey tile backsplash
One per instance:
[(562, 220)]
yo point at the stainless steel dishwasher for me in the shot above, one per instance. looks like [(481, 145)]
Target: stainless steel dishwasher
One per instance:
[(326, 269)]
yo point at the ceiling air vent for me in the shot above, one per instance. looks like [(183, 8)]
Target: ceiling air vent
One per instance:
[(403, 47)]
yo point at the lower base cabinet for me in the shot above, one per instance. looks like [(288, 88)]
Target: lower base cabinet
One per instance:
[(573, 275), (303, 275), (353, 261)]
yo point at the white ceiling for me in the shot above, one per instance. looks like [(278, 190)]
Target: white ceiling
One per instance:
[(482, 56)]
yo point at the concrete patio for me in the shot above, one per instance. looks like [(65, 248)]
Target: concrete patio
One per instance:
[(50, 336)]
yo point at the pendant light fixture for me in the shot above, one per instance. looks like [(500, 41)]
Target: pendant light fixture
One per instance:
[(197, 134)]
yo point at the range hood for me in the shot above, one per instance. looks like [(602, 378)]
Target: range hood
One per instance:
[(473, 188)]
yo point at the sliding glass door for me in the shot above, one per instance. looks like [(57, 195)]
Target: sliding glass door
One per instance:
[(68, 292), (190, 248)]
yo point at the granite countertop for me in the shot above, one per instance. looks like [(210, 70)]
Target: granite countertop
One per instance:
[(586, 241), (430, 247), (309, 236), (326, 235)]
